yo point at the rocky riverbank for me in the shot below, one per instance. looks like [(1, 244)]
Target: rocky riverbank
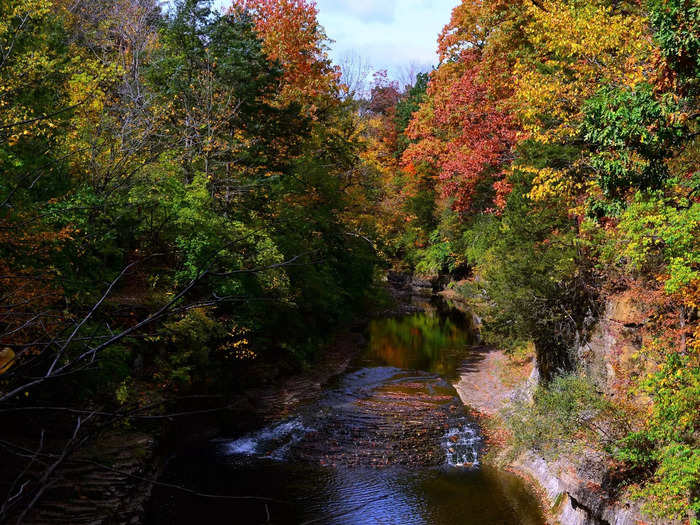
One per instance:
[(572, 488)]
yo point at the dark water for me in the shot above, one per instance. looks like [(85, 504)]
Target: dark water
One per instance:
[(389, 443)]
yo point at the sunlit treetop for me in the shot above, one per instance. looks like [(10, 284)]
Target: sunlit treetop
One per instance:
[(461, 133), (474, 24), (574, 47), (292, 36)]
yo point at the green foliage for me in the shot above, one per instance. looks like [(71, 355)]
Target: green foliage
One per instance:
[(532, 278), (35, 64), (113, 369), (171, 156), (437, 257), (189, 345), (477, 239), (632, 133), (676, 25), (668, 444), (122, 392), (657, 231), (337, 268), (561, 415), (215, 84), (101, 237), (410, 103), (255, 188)]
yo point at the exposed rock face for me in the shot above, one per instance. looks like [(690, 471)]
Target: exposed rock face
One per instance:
[(573, 488), (607, 357), (575, 484), (405, 287)]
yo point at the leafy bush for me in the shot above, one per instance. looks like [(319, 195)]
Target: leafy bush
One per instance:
[(436, 258), (567, 412), (657, 232), (189, 344), (668, 445)]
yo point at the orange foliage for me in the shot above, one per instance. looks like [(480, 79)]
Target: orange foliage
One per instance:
[(292, 36), (463, 134)]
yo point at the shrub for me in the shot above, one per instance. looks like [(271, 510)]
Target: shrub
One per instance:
[(568, 411), (667, 446)]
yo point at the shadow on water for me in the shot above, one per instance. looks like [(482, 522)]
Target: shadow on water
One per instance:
[(438, 496), (389, 443)]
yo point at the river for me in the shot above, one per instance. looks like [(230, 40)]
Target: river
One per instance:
[(388, 442)]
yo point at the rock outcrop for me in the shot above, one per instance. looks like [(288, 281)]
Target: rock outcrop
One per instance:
[(574, 486)]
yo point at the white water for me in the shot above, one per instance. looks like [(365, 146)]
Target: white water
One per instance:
[(273, 441), (462, 445)]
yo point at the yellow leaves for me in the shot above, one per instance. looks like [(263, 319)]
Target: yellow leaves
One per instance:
[(576, 46), (690, 297), (19, 9), (584, 29), (84, 90), (552, 184), (547, 183)]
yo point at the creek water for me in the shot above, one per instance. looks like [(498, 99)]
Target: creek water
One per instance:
[(389, 442)]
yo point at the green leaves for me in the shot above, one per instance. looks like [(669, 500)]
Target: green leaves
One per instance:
[(676, 25), (668, 444), (631, 133), (656, 232), (406, 107), (437, 258)]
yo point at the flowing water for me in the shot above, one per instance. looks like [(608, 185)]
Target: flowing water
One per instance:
[(388, 443)]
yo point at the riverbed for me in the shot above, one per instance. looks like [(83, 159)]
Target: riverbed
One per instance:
[(388, 442)]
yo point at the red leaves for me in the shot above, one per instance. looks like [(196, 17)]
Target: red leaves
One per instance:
[(384, 94), (292, 36), (466, 137)]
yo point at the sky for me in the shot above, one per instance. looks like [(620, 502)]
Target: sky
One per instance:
[(386, 34)]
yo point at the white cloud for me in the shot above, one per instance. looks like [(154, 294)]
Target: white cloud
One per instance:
[(389, 34), (366, 10), (409, 35)]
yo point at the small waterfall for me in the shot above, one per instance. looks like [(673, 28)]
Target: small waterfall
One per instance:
[(462, 445), (272, 442)]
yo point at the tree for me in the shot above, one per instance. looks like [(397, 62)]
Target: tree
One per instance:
[(292, 37), (632, 134), (463, 134)]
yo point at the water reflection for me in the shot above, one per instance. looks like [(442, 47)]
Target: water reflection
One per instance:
[(427, 497), (435, 341), (366, 496), (345, 496)]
